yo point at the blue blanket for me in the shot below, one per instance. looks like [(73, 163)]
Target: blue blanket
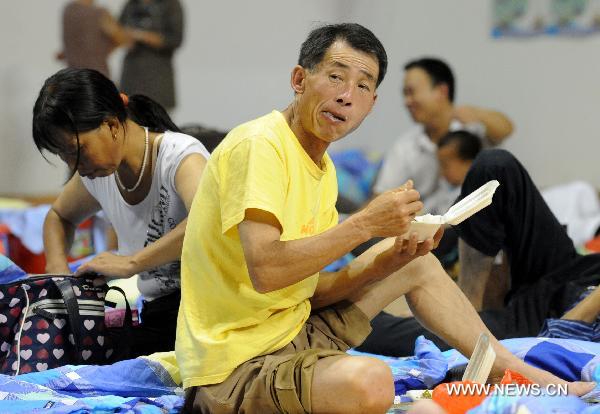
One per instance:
[(570, 359), (139, 385), (10, 272), (355, 171), (151, 385)]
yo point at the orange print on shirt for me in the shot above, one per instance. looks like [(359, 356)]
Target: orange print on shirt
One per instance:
[(308, 228)]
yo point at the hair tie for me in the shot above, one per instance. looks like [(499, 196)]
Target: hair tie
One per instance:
[(124, 98)]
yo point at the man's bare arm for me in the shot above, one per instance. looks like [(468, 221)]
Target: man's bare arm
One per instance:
[(498, 126), (274, 264), (394, 253)]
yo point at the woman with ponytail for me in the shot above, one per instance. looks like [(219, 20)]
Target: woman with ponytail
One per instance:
[(129, 159)]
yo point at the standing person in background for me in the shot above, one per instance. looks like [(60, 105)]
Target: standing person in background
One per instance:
[(157, 29), (429, 97), (90, 34)]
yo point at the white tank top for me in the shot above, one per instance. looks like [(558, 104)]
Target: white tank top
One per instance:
[(162, 209)]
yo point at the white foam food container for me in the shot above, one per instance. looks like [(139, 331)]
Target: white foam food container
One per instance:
[(426, 226)]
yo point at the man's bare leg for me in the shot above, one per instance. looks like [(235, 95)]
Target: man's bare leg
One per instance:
[(443, 309), (351, 384), (362, 384), (497, 287), (475, 271)]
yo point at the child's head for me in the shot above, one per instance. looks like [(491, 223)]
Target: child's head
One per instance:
[(456, 152)]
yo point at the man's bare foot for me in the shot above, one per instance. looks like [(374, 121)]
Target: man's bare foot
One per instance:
[(545, 378), (505, 359), (580, 388)]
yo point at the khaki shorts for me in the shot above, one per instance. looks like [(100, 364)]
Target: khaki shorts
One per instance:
[(280, 382)]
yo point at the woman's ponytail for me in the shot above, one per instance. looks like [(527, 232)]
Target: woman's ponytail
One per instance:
[(147, 112)]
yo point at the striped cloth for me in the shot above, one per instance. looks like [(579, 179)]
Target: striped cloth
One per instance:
[(571, 329)]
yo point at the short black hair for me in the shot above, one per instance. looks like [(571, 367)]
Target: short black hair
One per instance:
[(438, 71), (468, 145), (359, 37)]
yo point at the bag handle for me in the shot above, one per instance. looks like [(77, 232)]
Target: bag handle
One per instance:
[(126, 338), (68, 294)]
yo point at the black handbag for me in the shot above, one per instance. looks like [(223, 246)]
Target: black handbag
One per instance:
[(47, 321)]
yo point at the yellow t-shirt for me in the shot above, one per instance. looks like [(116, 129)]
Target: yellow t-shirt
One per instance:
[(223, 321)]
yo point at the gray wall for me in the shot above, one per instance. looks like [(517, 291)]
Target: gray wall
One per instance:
[(237, 56)]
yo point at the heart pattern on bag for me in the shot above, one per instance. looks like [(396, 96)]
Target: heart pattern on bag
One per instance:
[(60, 323), (43, 338), (26, 354), (25, 368), (40, 341), (42, 354), (42, 324)]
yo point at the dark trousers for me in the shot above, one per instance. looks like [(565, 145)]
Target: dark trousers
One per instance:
[(547, 274), (156, 333)]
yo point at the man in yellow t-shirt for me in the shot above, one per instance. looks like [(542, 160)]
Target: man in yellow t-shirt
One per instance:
[(261, 329)]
